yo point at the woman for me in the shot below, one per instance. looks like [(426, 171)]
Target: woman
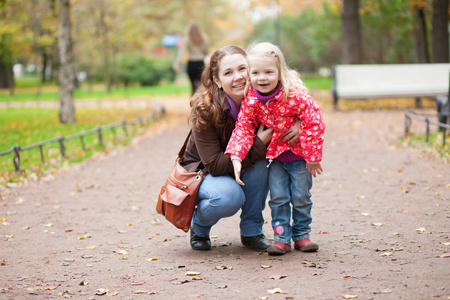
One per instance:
[(196, 42), (215, 107)]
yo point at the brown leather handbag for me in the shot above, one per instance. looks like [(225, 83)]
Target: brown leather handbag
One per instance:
[(178, 195)]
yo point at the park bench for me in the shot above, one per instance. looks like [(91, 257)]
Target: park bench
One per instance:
[(390, 81)]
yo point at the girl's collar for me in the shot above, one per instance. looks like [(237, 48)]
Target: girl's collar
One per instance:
[(272, 95)]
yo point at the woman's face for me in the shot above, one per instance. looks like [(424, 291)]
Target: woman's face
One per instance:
[(232, 76)]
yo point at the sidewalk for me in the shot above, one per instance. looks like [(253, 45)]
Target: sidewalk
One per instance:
[(380, 215)]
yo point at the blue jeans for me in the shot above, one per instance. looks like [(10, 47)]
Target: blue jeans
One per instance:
[(290, 184), (221, 197)]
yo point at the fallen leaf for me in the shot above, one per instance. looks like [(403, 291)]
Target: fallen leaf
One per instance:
[(377, 224), (122, 252), (90, 247), (151, 259), (365, 214), (275, 291), (361, 196), (323, 232), (190, 273), (130, 224), (3, 219), (221, 268), (20, 201), (277, 276), (350, 296), (101, 292), (421, 229), (445, 255), (84, 236), (386, 254), (265, 266)]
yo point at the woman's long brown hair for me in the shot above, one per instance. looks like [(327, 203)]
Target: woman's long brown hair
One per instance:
[(208, 103)]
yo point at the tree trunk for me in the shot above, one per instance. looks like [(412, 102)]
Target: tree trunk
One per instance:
[(351, 33), (440, 46), (105, 47), (7, 77), (44, 66), (420, 36), (66, 70)]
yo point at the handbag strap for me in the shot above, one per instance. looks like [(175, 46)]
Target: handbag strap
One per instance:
[(181, 152), (183, 148)]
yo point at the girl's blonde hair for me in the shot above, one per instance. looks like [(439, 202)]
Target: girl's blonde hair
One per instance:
[(289, 78), (195, 34)]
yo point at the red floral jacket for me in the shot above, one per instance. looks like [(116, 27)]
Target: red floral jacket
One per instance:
[(280, 114)]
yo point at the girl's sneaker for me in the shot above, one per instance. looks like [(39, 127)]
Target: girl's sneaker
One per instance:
[(278, 248), (306, 245)]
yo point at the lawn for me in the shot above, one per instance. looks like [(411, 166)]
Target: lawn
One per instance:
[(26, 91), (26, 126)]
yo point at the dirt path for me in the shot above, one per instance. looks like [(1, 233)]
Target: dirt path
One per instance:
[(93, 229)]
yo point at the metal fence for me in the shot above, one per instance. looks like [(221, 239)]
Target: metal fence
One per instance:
[(426, 117), (16, 150)]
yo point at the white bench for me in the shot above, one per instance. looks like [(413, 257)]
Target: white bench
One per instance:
[(393, 80)]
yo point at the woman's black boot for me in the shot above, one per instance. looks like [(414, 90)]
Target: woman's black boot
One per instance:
[(200, 243)]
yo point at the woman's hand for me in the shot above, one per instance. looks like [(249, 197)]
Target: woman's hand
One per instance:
[(265, 134), (237, 165), (292, 135)]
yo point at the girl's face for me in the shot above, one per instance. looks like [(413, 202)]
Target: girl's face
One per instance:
[(264, 74), (232, 76)]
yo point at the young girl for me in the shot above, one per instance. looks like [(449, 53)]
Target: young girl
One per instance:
[(277, 98)]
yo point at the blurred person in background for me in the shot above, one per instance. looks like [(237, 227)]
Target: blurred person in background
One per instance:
[(196, 43)]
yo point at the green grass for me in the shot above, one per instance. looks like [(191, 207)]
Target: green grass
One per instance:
[(28, 90), (433, 147), (26, 126), (50, 92), (318, 83)]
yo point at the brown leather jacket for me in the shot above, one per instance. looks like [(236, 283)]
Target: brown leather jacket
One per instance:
[(206, 149)]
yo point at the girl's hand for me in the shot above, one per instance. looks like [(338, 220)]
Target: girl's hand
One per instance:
[(265, 134), (237, 165), (314, 169), (292, 135)]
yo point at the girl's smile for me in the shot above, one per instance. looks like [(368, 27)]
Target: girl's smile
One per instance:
[(264, 74)]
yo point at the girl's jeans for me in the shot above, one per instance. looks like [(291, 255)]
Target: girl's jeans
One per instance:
[(290, 184), (221, 196)]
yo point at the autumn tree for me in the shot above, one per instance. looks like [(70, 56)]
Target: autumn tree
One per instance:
[(420, 31), (351, 33), (66, 69), (440, 46)]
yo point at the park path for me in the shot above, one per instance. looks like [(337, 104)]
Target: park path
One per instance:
[(381, 216)]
